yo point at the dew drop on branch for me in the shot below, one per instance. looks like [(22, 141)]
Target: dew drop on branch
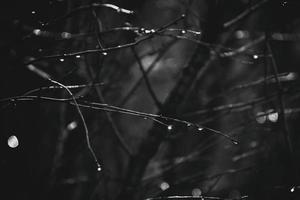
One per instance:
[(170, 128), (200, 129)]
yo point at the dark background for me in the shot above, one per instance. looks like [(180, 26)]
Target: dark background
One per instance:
[(53, 162)]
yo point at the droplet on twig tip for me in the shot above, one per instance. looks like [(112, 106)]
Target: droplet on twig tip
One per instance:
[(235, 142), (292, 189), (170, 127)]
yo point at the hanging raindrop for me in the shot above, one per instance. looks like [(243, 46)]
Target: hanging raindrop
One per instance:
[(292, 189), (200, 129)]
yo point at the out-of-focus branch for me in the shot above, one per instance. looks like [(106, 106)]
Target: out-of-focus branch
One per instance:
[(100, 95), (147, 81), (147, 71), (244, 14), (244, 47)]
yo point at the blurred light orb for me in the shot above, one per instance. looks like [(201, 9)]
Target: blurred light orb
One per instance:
[(71, 126), (13, 141), (66, 35), (240, 34), (261, 117), (196, 192), (291, 76), (37, 31), (273, 117), (164, 186)]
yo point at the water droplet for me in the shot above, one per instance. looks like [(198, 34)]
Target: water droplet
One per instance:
[(292, 189), (71, 126), (170, 127), (164, 186), (13, 141), (189, 125), (234, 142), (99, 168), (200, 129), (33, 12), (183, 31), (78, 56), (255, 57), (61, 60), (104, 53)]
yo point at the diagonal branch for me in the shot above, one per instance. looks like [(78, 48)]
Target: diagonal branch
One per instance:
[(147, 81)]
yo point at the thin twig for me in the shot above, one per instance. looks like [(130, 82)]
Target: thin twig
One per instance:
[(281, 101), (100, 95), (110, 108), (194, 197), (86, 7), (47, 77), (108, 49)]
